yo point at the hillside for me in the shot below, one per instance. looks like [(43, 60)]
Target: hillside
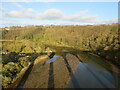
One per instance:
[(99, 39)]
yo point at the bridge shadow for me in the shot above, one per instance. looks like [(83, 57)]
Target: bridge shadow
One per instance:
[(25, 76), (111, 78), (51, 76), (108, 55), (105, 55), (73, 78), (96, 55)]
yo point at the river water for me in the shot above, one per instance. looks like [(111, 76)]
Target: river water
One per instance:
[(84, 74)]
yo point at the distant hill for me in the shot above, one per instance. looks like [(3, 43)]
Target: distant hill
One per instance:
[(100, 39)]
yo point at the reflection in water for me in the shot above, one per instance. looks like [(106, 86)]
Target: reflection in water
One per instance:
[(51, 60), (48, 61), (108, 76), (90, 76)]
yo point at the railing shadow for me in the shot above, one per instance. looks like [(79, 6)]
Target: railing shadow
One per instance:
[(73, 78)]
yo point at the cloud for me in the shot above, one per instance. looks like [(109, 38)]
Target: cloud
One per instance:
[(30, 10), (23, 12), (56, 15), (81, 18), (13, 14), (1, 8), (51, 14), (20, 13), (38, 22), (17, 14), (108, 21), (17, 5)]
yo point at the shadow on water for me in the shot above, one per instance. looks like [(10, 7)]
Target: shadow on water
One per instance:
[(110, 55), (95, 78), (51, 76), (91, 75), (87, 54), (104, 79), (74, 80)]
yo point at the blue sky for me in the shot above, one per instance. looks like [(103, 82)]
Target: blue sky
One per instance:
[(58, 13)]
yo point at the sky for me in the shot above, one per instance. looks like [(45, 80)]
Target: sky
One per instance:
[(57, 13)]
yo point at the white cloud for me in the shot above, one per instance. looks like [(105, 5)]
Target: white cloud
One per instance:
[(55, 15), (38, 22), (17, 14), (81, 18), (108, 21), (30, 10), (51, 14), (1, 8), (17, 5), (14, 14), (23, 12)]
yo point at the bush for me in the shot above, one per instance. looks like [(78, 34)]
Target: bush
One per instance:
[(5, 59), (24, 63), (6, 81)]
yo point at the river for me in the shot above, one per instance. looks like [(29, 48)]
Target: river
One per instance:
[(73, 70)]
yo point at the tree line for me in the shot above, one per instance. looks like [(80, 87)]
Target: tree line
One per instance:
[(99, 39)]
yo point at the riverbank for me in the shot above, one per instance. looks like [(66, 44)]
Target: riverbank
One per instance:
[(70, 71)]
